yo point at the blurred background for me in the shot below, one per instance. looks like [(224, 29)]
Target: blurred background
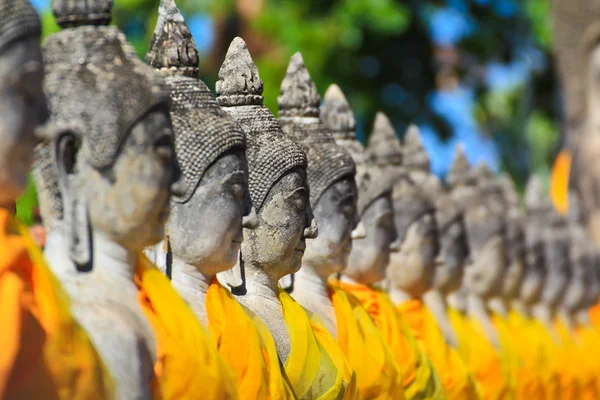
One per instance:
[(476, 72)]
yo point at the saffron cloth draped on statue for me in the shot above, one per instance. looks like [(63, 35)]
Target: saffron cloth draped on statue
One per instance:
[(316, 367), (44, 354), (421, 380), (377, 372), (491, 375), (454, 374), (188, 365), (247, 347)]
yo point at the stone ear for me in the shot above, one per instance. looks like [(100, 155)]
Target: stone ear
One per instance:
[(76, 218)]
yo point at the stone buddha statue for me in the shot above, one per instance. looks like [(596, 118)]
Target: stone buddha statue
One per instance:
[(486, 237), (112, 139), (333, 192), (333, 198), (274, 246), (204, 230), (525, 253), (412, 268), (451, 259), (547, 227), (491, 188), (43, 347), (460, 183)]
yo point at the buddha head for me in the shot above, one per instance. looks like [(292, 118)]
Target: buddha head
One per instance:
[(581, 259), (111, 134), (485, 231), (277, 178), (22, 100), (555, 240), (534, 278), (492, 189), (205, 223), (330, 172), (454, 249), (412, 267), (370, 256)]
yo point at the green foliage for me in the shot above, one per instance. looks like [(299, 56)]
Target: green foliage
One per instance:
[(538, 12), (541, 134), (26, 203)]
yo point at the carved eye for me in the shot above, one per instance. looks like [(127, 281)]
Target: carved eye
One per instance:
[(299, 199), (164, 147), (238, 191), (348, 211)]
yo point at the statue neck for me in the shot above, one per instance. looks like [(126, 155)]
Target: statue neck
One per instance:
[(520, 307), (545, 314), (458, 300), (436, 302), (260, 283), (478, 309), (583, 317), (192, 285), (399, 296), (310, 290), (567, 318), (499, 306), (112, 259)]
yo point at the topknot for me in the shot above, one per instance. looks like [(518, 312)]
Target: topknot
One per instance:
[(172, 48), (299, 117), (461, 173), (269, 152), (298, 95), (18, 20), (71, 13), (414, 154), (239, 82), (337, 114), (385, 148)]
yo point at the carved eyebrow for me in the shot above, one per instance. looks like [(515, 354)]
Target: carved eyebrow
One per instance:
[(296, 191), (236, 176)]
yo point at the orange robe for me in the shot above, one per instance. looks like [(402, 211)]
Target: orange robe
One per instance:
[(559, 182), (573, 379), (377, 372), (188, 365), (247, 347), (595, 316), (454, 374), (487, 367), (44, 354), (421, 380), (316, 366), (537, 377), (588, 340)]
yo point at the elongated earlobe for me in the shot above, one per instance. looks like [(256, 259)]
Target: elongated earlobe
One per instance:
[(77, 223)]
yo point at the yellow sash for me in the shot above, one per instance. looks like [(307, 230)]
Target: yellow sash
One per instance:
[(316, 367), (454, 374), (589, 345), (247, 347), (377, 372), (537, 377), (188, 365), (421, 380), (490, 373), (44, 354)]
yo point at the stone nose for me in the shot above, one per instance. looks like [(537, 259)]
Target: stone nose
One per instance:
[(251, 220), (312, 231), (359, 232)]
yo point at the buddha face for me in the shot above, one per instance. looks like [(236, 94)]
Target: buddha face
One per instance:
[(513, 278), (557, 278), (206, 231), (336, 215), (278, 240), (370, 256), (22, 109), (454, 253), (484, 275), (129, 203), (574, 296), (412, 268)]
